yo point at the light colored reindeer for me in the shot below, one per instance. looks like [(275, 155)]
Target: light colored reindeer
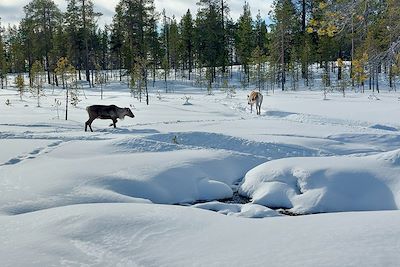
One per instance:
[(255, 98)]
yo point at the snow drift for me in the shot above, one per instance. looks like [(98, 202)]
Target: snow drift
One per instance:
[(327, 184)]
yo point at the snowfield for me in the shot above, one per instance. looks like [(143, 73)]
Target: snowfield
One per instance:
[(160, 235), (205, 184)]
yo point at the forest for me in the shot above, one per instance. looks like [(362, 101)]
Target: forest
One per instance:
[(189, 172), (346, 45)]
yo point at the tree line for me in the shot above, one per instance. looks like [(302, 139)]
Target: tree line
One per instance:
[(357, 41)]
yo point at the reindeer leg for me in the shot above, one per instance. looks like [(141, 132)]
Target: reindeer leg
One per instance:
[(89, 123), (114, 123)]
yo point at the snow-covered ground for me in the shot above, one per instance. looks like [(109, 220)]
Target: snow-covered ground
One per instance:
[(155, 191)]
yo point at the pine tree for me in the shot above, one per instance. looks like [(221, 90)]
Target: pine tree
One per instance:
[(244, 41), (261, 33), (104, 47), (117, 41), (20, 84), (136, 17), (187, 32), (67, 73), (230, 31), (391, 28), (284, 29), (258, 60), (43, 15), (72, 20), (17, 49), (216, 13), (88, 25), (61, 70), (24, 40), (3, 62), (59, 49), (305, 7), (174, 45), (154, 46), (224, 10), (37, 78), (210, 37), (164, 38)]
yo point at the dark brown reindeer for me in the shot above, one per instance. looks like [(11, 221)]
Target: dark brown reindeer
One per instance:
[(111, 112)]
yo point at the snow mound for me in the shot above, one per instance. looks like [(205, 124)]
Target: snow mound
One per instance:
[(248, 210), (108, 173), (274, 195), (326, 184)]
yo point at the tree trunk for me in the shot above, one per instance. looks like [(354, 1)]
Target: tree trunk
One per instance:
[(352, 49), (303, 30), (223, 36), (66, 104), (377, 79), (85, 34), (147, 91), (283, 62)]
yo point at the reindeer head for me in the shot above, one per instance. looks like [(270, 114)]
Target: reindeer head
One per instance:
[(129, 113), (250, 101)]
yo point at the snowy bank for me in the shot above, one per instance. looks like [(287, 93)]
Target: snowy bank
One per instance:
[(327, 184)]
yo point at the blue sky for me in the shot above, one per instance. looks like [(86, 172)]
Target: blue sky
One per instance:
[(11, 11)]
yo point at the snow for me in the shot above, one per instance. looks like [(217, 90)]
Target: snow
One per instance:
[(241, 210), (156, 190), (327, 184), (161, 235), (181, 176)]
